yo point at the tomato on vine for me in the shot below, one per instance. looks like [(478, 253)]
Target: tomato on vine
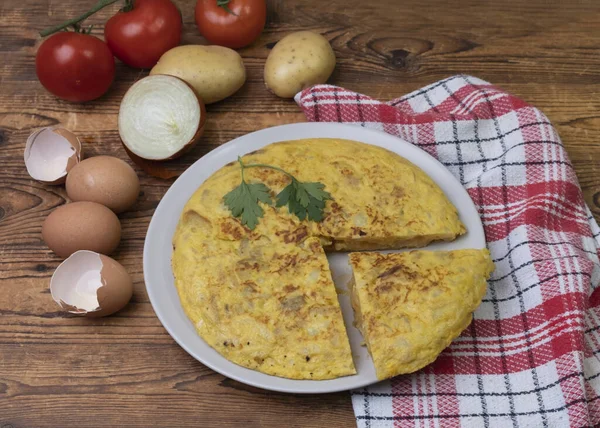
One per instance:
[(76, 66), (231, 23)]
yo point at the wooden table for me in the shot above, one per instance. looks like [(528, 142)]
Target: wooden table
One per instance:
[(57, 370)]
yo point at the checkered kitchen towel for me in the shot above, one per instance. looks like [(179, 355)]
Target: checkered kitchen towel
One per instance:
[(531, 358)]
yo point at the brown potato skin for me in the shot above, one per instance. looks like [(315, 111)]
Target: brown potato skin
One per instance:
[(298, 61), (215, 72)]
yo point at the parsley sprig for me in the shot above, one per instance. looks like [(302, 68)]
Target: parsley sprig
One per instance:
[(303, 199)]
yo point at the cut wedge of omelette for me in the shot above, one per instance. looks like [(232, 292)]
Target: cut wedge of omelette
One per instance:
[(269, 308), (409, 306), (264, 298)]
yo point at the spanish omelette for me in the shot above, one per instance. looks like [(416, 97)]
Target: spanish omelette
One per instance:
[(410, 306), (224, 271), (381, 200)]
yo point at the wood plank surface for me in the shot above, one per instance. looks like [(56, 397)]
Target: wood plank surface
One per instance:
[(57, 370)]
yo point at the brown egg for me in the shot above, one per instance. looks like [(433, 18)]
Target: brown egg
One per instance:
[(91, 284), (106, 180), (81, 226)]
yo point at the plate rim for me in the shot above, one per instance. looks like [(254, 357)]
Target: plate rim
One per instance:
[(277, 384)]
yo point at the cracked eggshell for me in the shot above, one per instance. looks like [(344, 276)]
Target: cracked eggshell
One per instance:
[(91, 284), (50, 153)]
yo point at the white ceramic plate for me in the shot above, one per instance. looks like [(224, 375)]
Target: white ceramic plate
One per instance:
[(157, 249)]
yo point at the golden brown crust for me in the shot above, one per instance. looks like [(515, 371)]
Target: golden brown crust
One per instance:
[(409, 306), (380, 200)]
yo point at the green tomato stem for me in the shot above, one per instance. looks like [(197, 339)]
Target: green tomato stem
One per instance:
[(129, 4), (99, 5), (225, 5)]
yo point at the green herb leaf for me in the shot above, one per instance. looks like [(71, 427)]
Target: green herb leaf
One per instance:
[(284, 196), (243, 202), (316, 191), (315, 213), (301, 194), (302, 199)]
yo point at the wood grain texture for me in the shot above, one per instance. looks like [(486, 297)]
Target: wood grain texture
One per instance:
[(57, 370)]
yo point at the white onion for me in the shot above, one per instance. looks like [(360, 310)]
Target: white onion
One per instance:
[(160, 117)]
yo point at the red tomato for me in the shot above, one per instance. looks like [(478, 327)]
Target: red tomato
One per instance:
[(75, 66), (140, 36), (234, 24)]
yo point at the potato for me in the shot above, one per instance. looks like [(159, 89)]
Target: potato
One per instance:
[(215, 72), (298, 61)]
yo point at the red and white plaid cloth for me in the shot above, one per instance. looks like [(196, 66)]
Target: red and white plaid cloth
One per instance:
[(531, 356)]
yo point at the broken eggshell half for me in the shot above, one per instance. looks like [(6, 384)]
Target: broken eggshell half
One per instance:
[(50, 153), (91, 284)]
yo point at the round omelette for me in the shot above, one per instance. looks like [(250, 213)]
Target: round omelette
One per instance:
[(264, 298)]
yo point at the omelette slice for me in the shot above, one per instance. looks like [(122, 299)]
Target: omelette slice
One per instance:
[(410, 306), (269, 308)]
